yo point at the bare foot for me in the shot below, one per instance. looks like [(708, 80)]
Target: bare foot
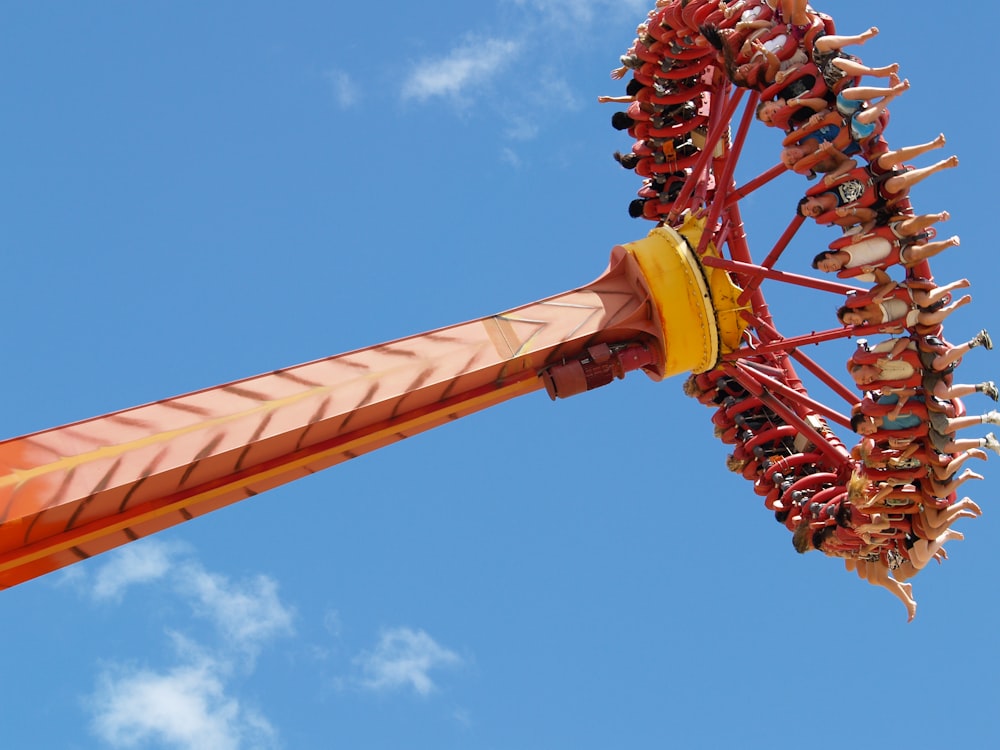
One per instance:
[(951, 161), (909, 601), (939, 141), (866, 35), (974, 507)]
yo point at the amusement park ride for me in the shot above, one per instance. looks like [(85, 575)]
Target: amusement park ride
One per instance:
[(689, 298)]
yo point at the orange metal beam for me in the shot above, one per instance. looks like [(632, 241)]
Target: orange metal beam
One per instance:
[(74, 491)]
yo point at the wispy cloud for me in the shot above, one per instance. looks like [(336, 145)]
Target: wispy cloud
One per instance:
[(331, 622), (556, 92), (404, 658), (133, 564), (562, 11), (565, 13), (470, 65), (191, 702), (246, 613), (345, 92), (186, 707), (510, 156), (521, 128)]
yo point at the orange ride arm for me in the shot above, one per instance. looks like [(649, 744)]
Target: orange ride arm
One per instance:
[(71, 492)]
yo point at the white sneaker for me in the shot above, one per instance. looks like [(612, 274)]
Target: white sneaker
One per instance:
[(992, 443), (982, 339), (992, 417)]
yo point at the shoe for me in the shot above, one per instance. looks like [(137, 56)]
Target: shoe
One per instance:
[(990, 389), (982, 339), (992, 443), (992, 417)]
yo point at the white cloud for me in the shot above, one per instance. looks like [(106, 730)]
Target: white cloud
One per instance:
[(331, 622), (247, 614), (404, 658), (556, 92), (565, 13), (510, 156), (562, 11), (135, 563), (343, 87), (470, 65), (462, 717), (521, 128), (185, 707)]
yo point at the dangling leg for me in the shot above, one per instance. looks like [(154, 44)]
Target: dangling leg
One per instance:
[(937, 521), (916, 253), (928, 297), (874, 111), (878, 575), (944, 472), (943, 489), (891, 159), (938, 316), (923, 551), (854, 69), (902, 182), (959, 390), (829, 42), (908, 226), (965, 505), (959, 445), (955, 353), (867, 93)]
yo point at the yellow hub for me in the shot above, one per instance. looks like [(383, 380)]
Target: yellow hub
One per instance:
[(696, 305)]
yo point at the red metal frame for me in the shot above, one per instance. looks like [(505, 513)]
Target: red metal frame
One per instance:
[(724, 230)]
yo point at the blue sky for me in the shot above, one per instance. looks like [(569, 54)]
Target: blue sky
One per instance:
[(199, 192)]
